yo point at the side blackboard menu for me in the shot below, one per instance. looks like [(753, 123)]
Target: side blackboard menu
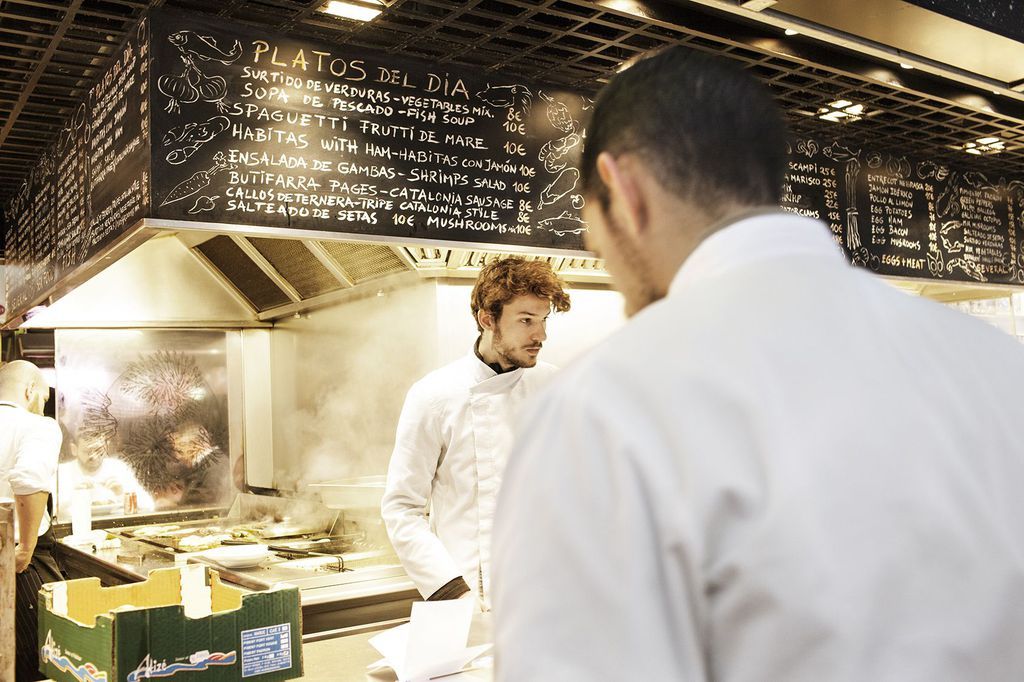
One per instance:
[(909, 217), (89, 186), (71, 193), (118, 145), (17, 214), (266, 130), (29, 250)]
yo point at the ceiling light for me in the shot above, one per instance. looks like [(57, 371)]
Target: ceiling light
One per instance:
[(360, 10), (904, 65), (791, 32), (841, 110), (985, 145), (628, 6)]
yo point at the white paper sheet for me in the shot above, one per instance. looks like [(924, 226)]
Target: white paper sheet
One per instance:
[(431, 644)]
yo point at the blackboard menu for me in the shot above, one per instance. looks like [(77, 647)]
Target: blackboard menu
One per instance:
[(267, 130), (909, 217), (118, 145), (42, 226), (88, 187), (71, 193), (29, 251), (17, 216), (207, 121), (811, 187)]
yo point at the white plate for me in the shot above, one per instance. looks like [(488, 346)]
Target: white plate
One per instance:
[(237, 556)]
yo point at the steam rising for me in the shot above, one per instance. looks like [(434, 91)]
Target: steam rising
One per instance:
[(341, 375)]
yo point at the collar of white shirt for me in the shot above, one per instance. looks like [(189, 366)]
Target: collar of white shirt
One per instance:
[(762, 236)]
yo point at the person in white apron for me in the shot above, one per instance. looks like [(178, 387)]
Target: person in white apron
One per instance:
[(29, 449), (455, 432)]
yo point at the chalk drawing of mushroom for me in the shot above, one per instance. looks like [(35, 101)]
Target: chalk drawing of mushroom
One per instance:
[(807, 147), (204, 203)]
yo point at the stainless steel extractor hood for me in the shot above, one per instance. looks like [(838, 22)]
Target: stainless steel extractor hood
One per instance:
[(278, 277), (215, 276)]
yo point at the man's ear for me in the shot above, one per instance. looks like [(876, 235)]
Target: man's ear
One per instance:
[(485, 319), (627, 199)]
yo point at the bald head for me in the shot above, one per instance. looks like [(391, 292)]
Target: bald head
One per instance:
[(23, 384)]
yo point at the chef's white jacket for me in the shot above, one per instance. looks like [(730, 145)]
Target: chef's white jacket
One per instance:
[(29, 450), (786, 470), (451, 446)]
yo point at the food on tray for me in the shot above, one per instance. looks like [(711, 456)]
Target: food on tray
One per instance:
[(196, 542), (241, 533), (154, 531)]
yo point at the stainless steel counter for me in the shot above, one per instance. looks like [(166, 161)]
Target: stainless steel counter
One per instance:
[(369, 596), (344, 657), (113, 566)]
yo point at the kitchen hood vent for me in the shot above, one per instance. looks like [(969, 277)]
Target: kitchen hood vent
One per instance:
[(365, 262), (36, 346), (298, 265), (227, 257), (278, 277)]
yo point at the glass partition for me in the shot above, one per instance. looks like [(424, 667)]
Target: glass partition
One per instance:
[(144, 416)]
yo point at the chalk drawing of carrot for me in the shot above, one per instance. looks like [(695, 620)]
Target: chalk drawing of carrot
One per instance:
[(198, 181)]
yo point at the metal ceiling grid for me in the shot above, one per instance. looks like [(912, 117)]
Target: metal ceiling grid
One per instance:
[(49, 54), (573, 43)]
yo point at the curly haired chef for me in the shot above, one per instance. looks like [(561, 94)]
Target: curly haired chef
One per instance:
[(455, 431)]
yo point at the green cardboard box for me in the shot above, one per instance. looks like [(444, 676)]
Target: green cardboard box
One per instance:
[(181, 624)]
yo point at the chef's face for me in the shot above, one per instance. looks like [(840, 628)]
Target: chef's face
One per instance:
[(90, 453), (623, 258), (521, 330), (191, 442)]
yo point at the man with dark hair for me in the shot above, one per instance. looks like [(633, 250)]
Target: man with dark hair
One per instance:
[(29, 450), (455, 432), (781, 468)]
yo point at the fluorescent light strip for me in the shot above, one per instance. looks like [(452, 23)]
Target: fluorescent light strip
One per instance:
[(351, 10), (985, 145), (841, 110)]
